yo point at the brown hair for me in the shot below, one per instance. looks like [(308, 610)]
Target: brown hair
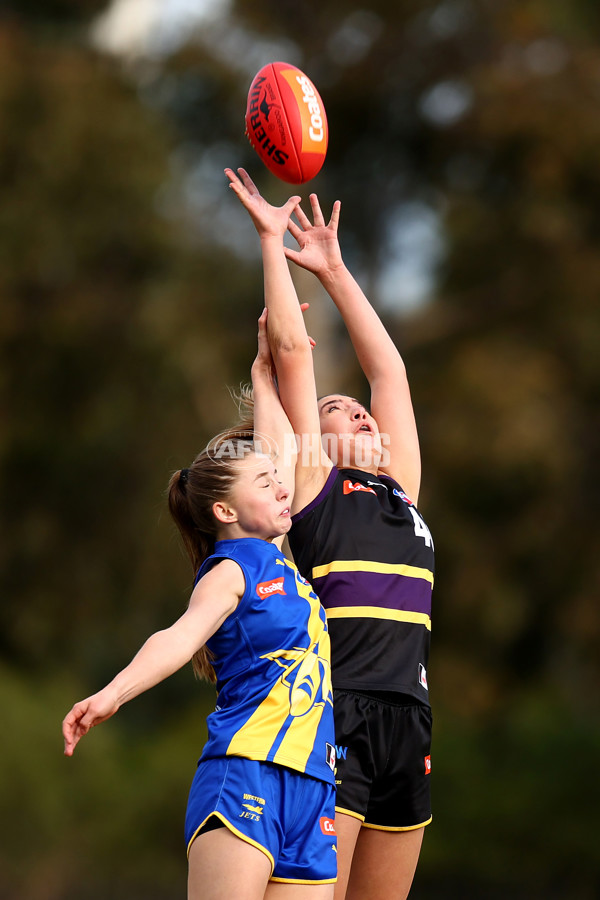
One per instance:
[(191, 495)]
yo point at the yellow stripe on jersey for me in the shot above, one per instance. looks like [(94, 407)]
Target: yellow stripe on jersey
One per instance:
[(378, 612), (365, 565), (255, 738), (306, 672), (313, 673)]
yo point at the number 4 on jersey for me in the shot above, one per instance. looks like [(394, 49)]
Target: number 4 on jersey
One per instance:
[(421, 529)]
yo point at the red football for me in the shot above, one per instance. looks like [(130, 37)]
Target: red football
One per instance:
[(286, 122)]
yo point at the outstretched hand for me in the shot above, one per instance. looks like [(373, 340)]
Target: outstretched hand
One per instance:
[(319, 246), (268, 220), (89, 712)]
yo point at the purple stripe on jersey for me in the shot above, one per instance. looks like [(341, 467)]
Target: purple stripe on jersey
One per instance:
[(319, 498), (388, 591)]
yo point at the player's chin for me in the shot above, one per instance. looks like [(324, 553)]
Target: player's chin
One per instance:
[(285, 523), (369, 444)]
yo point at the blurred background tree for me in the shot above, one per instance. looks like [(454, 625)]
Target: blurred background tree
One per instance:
[(464, 144)]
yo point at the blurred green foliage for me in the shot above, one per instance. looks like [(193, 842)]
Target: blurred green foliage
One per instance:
[(129, 291)]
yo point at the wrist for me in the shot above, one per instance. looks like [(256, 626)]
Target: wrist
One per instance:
[(333, 273), (268, 238), (261, 372)]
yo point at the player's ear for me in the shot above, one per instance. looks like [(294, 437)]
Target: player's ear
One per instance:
[(224, 513)]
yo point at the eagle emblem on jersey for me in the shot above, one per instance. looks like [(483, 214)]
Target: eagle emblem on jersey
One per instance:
[(305, 672)]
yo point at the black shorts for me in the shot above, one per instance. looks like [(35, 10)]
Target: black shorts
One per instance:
[(383, 760)]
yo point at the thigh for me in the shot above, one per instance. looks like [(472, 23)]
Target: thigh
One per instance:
[(348, 829), (222, 866), (383, 865), (299, 891)]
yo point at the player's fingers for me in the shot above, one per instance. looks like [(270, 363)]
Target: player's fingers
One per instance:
[(262, 330), (70, 746), (72, 729), (305, 222), (75, 714), (291, 205), (316, 210), (293, 255), (294, 230), (238, 188), (335, 215), (86, 723), (248, 183), (235, 183), (243, 195)]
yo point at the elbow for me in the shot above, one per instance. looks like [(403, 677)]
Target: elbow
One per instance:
[(285, 346), (283, 340)]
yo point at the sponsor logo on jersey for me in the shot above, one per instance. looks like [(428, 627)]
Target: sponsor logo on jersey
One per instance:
[(351, 487), (300, 578), (327, 825), (423, 676), (428, 765), (403, 496), (330, 756), (267, 588)]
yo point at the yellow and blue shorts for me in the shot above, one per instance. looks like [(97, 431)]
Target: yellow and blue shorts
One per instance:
[(285, 814)]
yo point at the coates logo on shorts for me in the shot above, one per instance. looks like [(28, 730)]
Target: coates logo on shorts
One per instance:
[(268, 588), (226, 448), (327, 825)]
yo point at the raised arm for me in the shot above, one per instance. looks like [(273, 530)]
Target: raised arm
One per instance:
[(274, 434), (288, 340), (215, 596), (378, 357)]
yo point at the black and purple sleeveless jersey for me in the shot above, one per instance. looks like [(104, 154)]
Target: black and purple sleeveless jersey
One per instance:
[(369, 555)]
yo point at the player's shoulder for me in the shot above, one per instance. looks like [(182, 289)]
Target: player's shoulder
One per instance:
[(221, 570)]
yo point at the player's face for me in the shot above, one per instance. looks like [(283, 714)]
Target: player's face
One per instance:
[(350, 434), (259, 500)]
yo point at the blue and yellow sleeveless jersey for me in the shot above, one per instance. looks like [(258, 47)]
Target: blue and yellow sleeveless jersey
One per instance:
[(272, 661), (369, 555)]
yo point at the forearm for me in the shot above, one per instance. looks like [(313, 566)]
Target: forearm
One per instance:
[(289, 343), (376, 352), (270, 418), (285, 324)]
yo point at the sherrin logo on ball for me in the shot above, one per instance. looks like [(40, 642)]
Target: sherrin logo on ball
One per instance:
[(286, 122)]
